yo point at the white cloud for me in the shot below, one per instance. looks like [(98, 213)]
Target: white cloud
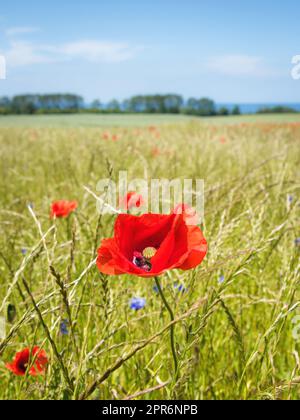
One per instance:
[(239, 65), (23, 53), (20, 30), (98, 51)]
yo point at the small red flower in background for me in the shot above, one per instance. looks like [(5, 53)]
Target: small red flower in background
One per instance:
[(131, 200), (105, 136), (189, 214), (154, 131), (223, 140), (155, 151), (151, 244), (23, 359), (63, 208)]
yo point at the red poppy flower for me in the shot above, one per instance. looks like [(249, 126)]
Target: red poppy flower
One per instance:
[(151, 244), (23, 359), (131, 200), (63, 208), (105, 136), (189, 214), (155, 151)]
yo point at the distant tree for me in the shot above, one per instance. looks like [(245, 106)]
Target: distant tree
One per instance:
[(236, 110), (24, 104), (70, 103), (223, 111), (277, 110), (29, 104), (96, 104), (207, 107), (4, 101), (113, 106), (191, 106), (173, 103), (125, 105), (5, 105), (155, 104), (137, 104), (152, 104), (202, 107)]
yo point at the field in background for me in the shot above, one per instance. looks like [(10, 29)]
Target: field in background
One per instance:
[(88, 120), (238, 342)]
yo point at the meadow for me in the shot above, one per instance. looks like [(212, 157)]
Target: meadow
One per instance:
[(237, 334), (133, 120)]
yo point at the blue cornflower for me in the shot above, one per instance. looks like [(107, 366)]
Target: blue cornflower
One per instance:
[(180, 287), (155, 289), (24, 251), (290, 198), (64, 327), (297, 241), (221, 279), (137, 303)]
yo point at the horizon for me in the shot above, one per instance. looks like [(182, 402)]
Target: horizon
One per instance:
[(185, 98), (104, 51)]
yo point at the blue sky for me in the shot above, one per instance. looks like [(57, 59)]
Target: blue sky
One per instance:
[(230, 50)]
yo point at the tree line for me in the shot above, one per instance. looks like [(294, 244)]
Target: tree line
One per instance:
[(33, 104), (279, 109), (150, 104)]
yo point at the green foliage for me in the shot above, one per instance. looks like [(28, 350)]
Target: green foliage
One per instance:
[(223, 111), (236, 110), (203, 107), (277, 110), (148, 104), (31, 104), (154, 104)]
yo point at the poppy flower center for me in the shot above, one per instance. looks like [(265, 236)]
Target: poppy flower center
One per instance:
[(23, 366), (149, 252), (143, 260)]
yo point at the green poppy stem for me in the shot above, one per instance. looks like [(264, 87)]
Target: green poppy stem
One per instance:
[(172, 328)]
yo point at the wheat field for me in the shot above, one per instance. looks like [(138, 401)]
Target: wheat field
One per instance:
[(236, 314)]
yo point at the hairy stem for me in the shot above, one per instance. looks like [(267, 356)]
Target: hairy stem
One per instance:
[(172, 327)]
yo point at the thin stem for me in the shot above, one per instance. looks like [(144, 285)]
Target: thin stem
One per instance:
[(51, 341), (65, 298), (172, 327)]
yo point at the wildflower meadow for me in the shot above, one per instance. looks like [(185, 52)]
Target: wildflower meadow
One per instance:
[(128, 304)]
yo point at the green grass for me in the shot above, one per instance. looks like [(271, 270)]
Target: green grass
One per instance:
[(91, 120), (234, 340)]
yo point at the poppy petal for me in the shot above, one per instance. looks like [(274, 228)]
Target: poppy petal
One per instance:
[(197, 248)]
